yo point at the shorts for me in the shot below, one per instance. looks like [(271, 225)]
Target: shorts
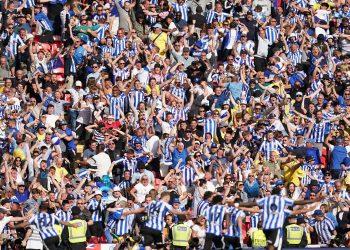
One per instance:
[(273, 236), (232, 241), (96, 229), (211, 239), (151, 236)]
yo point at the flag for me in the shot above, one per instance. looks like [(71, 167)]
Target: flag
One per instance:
[(56, 65)]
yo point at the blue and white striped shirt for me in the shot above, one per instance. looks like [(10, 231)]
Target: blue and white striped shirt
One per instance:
[(210, 126), (114, 102), (122, 73), (96, 210), (156, 212), (295, 57), (188, 174), (113, 218), (179, 92), (268, 146), (274, 210), (202, 207), (215, 216), (101, 32), (324, 230), (181, 8), (14, 42), (139, 96), (44, 222), (107, 49), (318, 131), (254, 220), (119, 45), (44, 22), (64, 216), (29, 4), (128, 164), (272, 33), (234, 230)]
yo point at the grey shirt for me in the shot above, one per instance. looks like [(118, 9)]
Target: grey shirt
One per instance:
[(179, 58), (58, 106)]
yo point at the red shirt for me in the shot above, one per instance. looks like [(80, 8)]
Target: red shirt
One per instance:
[(115, 124)]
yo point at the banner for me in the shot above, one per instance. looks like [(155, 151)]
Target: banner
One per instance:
[(100, 247)]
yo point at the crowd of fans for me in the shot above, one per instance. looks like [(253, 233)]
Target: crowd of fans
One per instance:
[(108, 108)]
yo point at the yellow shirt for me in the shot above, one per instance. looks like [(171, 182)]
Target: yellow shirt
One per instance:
[(291, 174), (40, 137), (60, 173), (237, 109), (160, 42), (18, 152), (149, 89)]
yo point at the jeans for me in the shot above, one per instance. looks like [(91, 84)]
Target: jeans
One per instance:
[(108, 235), (73, 115)]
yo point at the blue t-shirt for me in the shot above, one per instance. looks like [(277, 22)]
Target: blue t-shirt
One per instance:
[(22, 197), (79, 54), (179, 155), (70, 144)]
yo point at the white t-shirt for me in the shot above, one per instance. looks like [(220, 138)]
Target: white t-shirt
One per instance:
[(142, 191), (102, 161), (3, 222), (51, 121), (201, 235)]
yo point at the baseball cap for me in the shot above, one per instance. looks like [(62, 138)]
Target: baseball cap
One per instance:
[(279, 183), (14, 199), (157, 25), (41, 126), (318, 212), (78, 84), (116, 189), (176, 200), (63, 123), (98, 192), (214, 145), (137, 141), (21, 183)]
